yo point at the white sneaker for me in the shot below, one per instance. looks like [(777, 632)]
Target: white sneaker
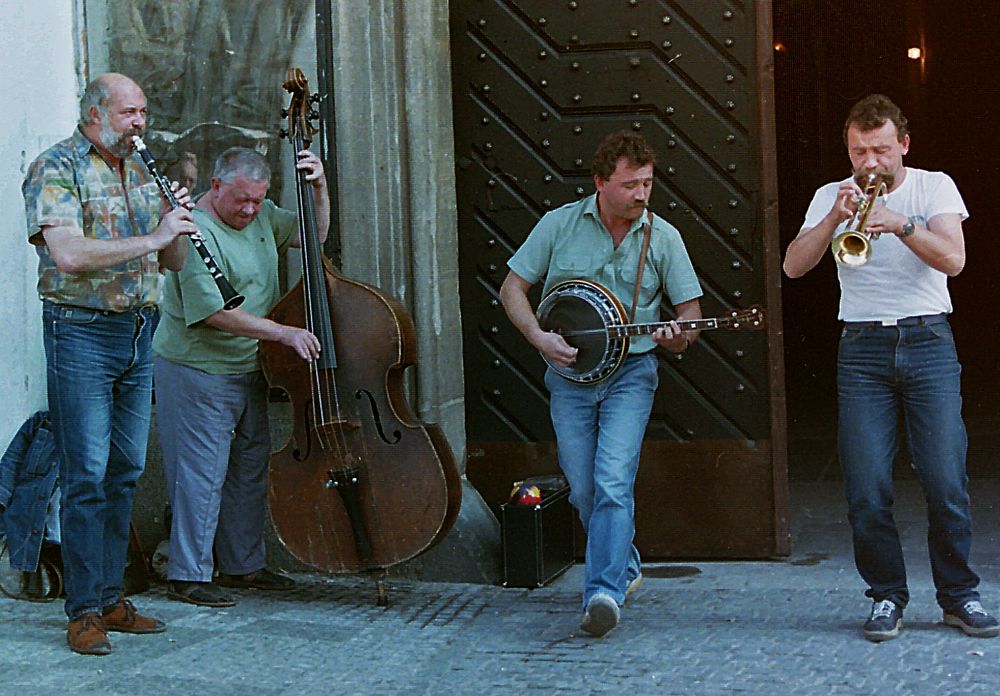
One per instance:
[(601, 616), (633, 585)]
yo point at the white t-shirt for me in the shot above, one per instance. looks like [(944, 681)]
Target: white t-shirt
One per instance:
[(895, 283)]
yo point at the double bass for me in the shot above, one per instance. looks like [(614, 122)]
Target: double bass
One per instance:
[(361, 484)]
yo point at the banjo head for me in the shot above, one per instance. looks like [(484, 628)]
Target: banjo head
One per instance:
[(576, 306)]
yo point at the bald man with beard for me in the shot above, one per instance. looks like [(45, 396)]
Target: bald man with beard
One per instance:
[(102, 233)]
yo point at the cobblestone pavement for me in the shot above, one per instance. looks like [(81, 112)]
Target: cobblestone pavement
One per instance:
[(776, 627)]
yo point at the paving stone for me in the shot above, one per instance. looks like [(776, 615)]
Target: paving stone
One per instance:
[(774, 627)]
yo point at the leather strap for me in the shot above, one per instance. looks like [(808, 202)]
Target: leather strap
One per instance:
[(642, 264)]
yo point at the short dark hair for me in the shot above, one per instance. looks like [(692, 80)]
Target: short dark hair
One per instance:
[(632, 146), (241, 161), (872, 112)]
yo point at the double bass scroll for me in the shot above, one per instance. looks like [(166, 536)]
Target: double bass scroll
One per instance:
[(361, 485)]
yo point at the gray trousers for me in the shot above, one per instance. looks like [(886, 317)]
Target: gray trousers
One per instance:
[(215, 441)]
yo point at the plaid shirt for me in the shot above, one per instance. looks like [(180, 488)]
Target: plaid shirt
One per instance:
[(70, 185)]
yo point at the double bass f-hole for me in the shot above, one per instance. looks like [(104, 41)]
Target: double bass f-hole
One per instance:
[(365, 396), (396, 435)]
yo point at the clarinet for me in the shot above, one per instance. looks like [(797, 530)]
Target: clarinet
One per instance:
[(230, 298)]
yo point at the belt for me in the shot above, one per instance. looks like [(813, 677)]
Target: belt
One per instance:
[(139, 309), (146, 310), (921, 320)]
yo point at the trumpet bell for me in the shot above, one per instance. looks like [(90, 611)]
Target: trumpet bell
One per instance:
[(851, 248)]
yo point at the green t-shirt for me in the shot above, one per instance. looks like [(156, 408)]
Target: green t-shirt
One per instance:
[(249, 260), (572, 243)]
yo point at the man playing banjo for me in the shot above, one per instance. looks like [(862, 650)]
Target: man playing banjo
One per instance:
[(599, 425)]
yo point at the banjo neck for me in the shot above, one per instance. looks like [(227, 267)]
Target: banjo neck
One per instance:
[(623, 330), (592, 320), (738, 319)]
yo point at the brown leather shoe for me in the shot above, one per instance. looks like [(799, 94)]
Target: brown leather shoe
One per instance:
[(123, 617), (87, 635)]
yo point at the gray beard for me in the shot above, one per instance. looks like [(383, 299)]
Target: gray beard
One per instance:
[(118, 144)]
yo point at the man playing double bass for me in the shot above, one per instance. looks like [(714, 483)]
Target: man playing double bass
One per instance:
[(599, 427), (211, 393)]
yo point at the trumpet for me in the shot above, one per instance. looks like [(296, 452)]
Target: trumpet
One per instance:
[(853, 246)]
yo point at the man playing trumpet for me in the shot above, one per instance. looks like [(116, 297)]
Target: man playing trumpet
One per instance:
[(897, 350)]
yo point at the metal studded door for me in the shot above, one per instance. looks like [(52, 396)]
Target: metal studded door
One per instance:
[(537, 85)]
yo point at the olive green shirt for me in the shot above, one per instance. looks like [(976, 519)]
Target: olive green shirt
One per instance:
[(249, 260), (572, 243)]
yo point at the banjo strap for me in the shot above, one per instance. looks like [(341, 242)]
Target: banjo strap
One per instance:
[(642, 264)]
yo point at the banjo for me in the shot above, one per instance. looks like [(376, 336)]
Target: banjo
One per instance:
[(593, 321)]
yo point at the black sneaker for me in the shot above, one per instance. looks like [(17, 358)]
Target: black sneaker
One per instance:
[(972, 619), (262, 579), (885, 621), (204, 594)]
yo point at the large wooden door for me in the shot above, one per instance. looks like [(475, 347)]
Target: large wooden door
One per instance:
[(537, 85)]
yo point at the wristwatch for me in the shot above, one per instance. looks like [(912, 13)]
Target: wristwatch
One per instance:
[(908, 228)]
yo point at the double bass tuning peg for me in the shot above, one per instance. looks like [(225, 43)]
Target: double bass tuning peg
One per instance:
[(284, 113), (314, 98), (283, 133)]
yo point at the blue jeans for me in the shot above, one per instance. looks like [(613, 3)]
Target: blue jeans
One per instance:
[(599, 431), (99, 382), (880, 370)]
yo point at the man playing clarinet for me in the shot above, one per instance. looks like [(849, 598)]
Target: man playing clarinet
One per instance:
[(102, 233)]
